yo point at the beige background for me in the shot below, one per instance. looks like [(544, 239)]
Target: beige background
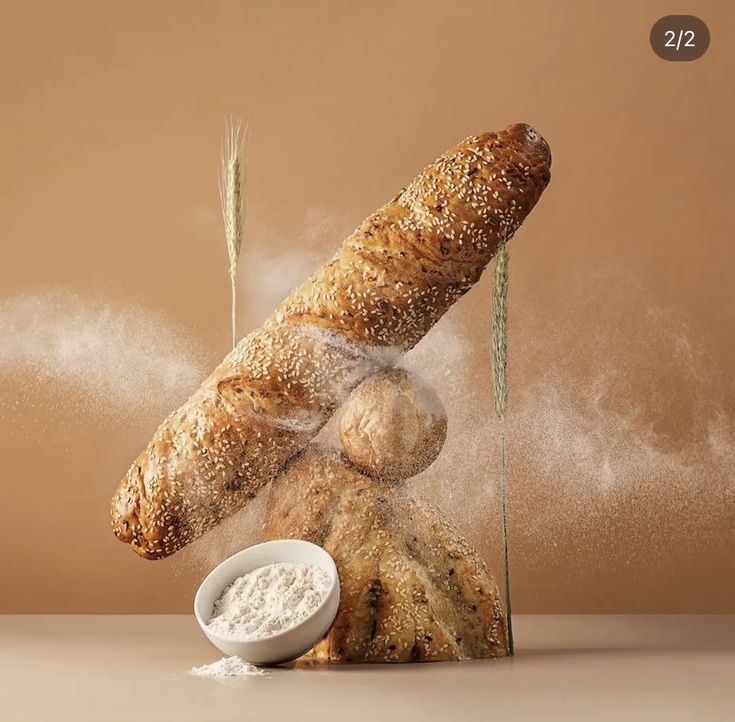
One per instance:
[(114, 297)]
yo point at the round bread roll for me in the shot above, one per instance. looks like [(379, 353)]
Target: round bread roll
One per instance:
[(393, 425)]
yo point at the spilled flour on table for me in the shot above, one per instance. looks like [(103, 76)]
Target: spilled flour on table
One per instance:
[(227, 667)]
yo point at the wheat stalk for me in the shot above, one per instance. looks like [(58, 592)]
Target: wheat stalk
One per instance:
[(500, 387), (500, 332), (232, 179)]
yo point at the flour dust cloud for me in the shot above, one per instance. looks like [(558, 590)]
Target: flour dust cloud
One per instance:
[(114, 360), (617, 427)]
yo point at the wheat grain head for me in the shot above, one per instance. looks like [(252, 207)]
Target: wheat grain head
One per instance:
[(500, 332), (231, 185)]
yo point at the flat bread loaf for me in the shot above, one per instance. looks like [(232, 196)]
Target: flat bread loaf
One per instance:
[(413, 589)]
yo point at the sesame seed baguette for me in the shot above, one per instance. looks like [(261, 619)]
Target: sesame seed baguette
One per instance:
[(391, 280)]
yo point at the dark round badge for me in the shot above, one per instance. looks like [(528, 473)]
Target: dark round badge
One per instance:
[(679, 37)]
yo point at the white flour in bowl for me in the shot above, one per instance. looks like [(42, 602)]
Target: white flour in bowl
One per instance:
[(269, 600)]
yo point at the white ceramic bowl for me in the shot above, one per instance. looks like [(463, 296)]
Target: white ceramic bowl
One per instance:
[(286, 645)]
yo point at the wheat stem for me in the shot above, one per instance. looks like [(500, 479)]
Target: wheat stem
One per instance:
[(500, 388), (232, 179), (233, 305)]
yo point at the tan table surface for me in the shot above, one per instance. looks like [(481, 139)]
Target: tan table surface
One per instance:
[(567, 667)]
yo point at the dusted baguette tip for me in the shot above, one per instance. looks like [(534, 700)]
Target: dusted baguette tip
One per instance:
[(528, 136), (150, 554), (389, 283), (528, 142), (126, 525), (128, 530)]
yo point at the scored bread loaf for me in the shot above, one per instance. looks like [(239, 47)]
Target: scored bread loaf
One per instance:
[(391, 280), (412, 588)]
